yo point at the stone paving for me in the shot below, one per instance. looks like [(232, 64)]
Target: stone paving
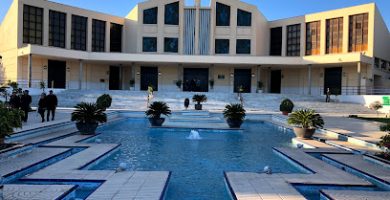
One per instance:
[(354, 195), (35, 192)]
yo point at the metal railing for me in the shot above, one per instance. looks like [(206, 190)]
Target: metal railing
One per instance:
[(355, 90)]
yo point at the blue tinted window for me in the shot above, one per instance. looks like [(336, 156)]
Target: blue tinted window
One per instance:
[(244, 18), (172, 13), (171, 45), (149, 44), (150, 16), (243, 46), (222, 46), (223, 15)]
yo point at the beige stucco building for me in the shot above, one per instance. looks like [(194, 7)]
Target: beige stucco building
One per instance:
[(219, 48)]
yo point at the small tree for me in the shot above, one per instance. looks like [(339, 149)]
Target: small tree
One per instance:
[(104, 101), (376, 105), (9, 120)]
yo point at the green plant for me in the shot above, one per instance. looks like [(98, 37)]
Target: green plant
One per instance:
[(42, 85), (234, 112), (9, 120), (132, 82), (104, 101), (260, 85), (199, 98), (286, 106), (14, 85), (385, 141), (306, 118), (376, 105), (158, 108), (88, 113), (212, 83), (385, 127), (179, 83)]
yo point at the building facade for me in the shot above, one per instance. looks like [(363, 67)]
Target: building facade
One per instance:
[(224, 47)]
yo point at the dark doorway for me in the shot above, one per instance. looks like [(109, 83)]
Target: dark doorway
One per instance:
[(276, 81), (114, 78), (242, 79), (332, 80), (149, 76), (56, 74), (196, 80)]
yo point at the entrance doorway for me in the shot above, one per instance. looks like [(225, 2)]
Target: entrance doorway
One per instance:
[(333, 80), (56, 74), (114, 78), (149, 76), (242, 79), (276, 81), (196, 80)]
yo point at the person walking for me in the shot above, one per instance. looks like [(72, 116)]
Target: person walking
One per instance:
[(328, 93), (42, 105), (14, 101), (25, 102), (51, 102)]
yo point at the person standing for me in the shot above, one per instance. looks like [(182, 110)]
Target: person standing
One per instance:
[(25, 102), (51, 102), (14, 101), (42, 105), (328, 93)]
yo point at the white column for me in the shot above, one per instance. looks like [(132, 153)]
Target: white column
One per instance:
[(359, 77), (81, 73), (309, 79), (29, 71)]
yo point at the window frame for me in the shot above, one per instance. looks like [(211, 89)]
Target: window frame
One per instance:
[(293, 40), (172, 18), (116, 44), (358, 36), (154, 50), (79, 33), (334, 35), (276, 41), (57, 25), (313, 39), (171, 39), (33, 35), (218, 13), (247, 51), (240, 22), (216, 50), (98, 35), (146, 18)]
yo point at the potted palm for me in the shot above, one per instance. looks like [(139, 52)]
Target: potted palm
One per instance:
[(306, 121), (199, 98), (104, 101), (132, 84), (178, 84), (154, 112), (234, 115), (212, 82), (286, 106), (260, 87), (9, 120), (87, 117)]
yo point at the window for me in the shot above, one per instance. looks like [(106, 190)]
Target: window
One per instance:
[(79, 32), (172, 14), (222, 46), (276, 41), (244, 18), (32, 25), (150, 16), (57, 29), (358, 32), (98, 35), (334, 35), (116, 37), (223, 14), (294, 40), (243, 46), (313, 32), (149, 44), (171, 45)]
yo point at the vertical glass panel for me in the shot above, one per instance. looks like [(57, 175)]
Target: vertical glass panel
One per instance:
[(222, 46), (172, 14), (150, 16), (222, 14), (244, 18)]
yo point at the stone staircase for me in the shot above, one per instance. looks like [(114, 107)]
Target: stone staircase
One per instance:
[(137, 100)]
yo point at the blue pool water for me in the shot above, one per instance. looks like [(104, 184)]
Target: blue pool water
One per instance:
[(197, 166)]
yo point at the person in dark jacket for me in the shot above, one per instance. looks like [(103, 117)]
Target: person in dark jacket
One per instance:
[(25, 102), (14, 101), (52, 102), (42, 104)]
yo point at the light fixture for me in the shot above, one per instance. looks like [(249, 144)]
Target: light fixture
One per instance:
[(253, 75), (159, 73), (231, 75), (138, 74), (67, 69), (45, 67)]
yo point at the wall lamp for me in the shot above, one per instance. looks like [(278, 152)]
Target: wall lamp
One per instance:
[(253, 75), (138, 73), (231, 75)]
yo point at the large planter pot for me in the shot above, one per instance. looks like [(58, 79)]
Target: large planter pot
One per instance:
[(234, 123), (87, 128), (306, 133), (156, 121), (198, 106)]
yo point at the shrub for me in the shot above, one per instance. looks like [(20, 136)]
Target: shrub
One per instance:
[(158, 108), (104, 101), (199, 98), (385, 127), (88, 113), (211, 83), (376, 105), (179, 83), (260, 85), (42, 85), (132, 82), (306, 118), (234, 112), (14, 85), (286, 106), (385, 141), (9, 120)]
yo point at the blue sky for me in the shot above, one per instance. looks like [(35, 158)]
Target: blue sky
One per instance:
[(272, 9)]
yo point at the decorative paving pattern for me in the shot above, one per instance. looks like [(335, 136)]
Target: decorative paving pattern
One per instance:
[(35, 192), (355, 195)]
